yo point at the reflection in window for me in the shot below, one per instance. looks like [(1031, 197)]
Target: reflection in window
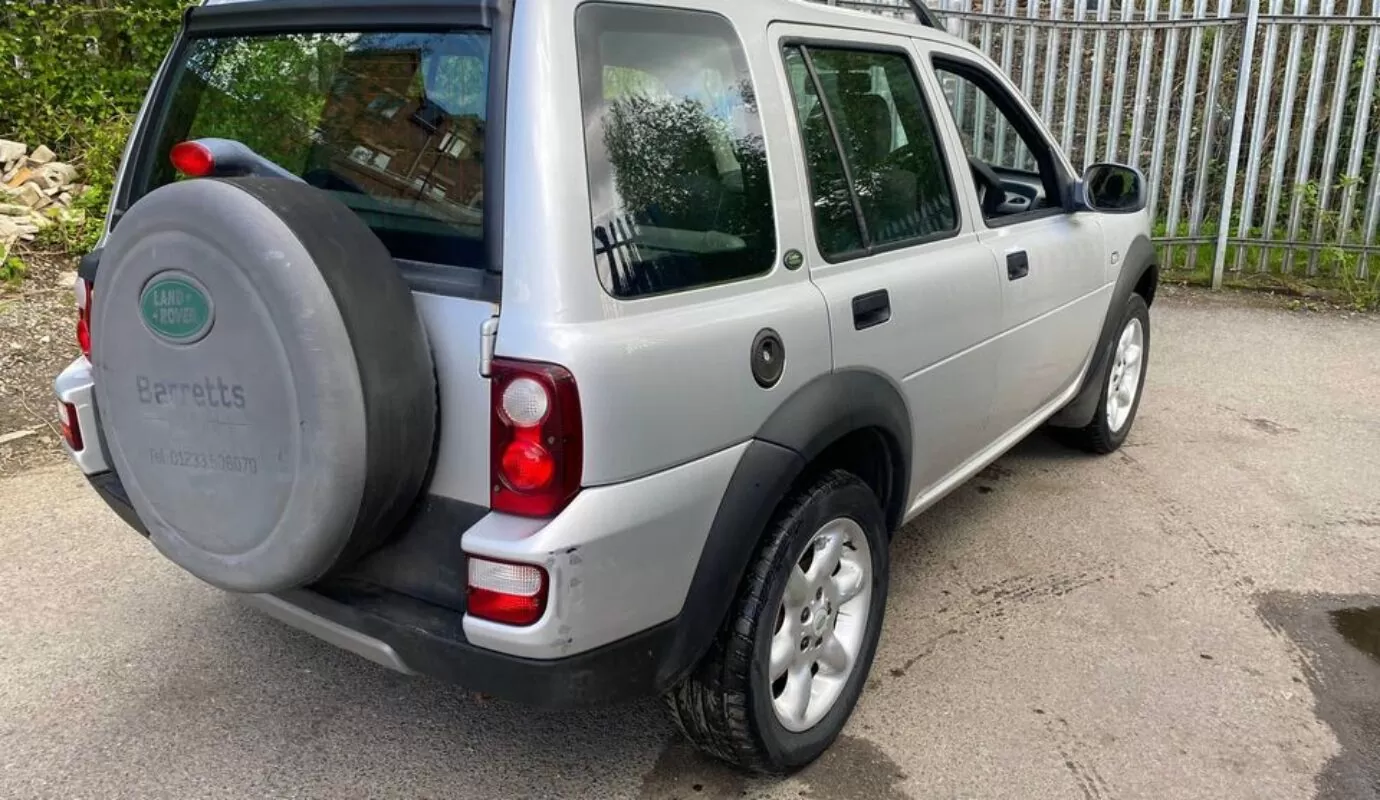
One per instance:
[(678, 174), (890, 151), (392, 123)]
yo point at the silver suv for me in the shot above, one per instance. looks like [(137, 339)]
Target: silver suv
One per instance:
[(580, 351)]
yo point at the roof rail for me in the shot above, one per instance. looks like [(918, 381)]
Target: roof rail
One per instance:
[(923, 14), (927, 17)]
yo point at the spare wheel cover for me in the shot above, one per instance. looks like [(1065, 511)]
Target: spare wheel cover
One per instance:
[(263, 381)]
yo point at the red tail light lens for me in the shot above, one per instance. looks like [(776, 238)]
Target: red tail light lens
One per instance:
[(192, 159), (537, 444), (513, 594), (71, 427), (83, 290)]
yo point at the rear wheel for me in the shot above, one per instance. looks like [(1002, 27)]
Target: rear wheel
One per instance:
[(786, 671), (1121, 386)]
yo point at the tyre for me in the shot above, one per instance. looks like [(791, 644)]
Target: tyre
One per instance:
[(1122, 385), (266, 391), (786, 670)]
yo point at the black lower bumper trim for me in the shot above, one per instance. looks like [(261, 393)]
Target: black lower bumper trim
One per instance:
[(428, 641)]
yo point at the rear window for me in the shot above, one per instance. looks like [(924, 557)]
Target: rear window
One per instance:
[(392, 124), (677, 168)]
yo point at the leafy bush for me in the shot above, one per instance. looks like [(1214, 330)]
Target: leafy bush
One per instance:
[(76, 71)]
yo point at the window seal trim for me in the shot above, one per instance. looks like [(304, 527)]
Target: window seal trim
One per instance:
[(1025, 216), (869, 249)]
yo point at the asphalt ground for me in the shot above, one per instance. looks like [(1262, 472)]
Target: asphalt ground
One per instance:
[(1186, 618)]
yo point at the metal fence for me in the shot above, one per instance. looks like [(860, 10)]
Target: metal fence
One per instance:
[(1257, 122)]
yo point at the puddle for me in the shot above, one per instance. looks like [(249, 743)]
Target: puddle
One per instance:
[(1360, 627)]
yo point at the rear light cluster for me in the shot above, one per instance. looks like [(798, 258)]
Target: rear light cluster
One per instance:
[(71, 428), (513, 594), (537, 443), (534, 470), (83, 291)]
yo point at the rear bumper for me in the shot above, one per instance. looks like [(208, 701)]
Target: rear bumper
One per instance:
[(417, 637)]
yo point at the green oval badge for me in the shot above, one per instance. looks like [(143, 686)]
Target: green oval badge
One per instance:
[(176, 308)]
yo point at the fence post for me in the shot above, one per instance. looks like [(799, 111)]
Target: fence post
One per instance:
[(1238, 125)]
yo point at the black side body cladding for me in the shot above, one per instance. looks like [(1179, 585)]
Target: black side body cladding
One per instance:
[(764, 474), (818, 415), (832, 406), (1140, 258)]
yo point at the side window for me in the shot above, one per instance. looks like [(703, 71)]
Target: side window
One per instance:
[(877, 174), (679, 187), (1001, 141)]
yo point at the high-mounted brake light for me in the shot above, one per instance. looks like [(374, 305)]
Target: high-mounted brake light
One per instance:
[(537, 442), (513, 594), (83, 291), (192, 159)]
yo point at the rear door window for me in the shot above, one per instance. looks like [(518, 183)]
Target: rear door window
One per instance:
[(393, 124), (878, 175), (679, 186)]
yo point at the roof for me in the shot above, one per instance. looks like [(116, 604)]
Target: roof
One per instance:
[(923, 24)]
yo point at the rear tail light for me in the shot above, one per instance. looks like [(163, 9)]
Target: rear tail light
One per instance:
[(71, 427), (537, 444), (513, 594), (192, 159), (83, 290)]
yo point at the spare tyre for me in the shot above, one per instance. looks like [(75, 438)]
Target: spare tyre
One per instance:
[(263, 380)]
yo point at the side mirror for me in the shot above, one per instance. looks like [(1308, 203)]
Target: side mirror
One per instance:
[(1110, 189)]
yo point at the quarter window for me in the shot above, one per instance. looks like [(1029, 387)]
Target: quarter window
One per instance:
[(877, 174), (679, 186)]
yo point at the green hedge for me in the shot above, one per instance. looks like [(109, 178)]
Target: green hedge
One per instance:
[(73, 73)]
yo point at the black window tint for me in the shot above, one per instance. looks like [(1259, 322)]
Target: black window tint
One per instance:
[(836, 223), (900, 181), (392, 124), (677, 167)]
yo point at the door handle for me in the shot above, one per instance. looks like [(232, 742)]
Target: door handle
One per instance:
[(1017, 265), (873, 308)]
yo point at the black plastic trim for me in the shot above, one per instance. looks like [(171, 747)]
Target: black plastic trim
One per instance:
[(430, 641), (834, 405), (86, 268), (804, 426), (468, 282), (112, 491), (762, 478), (1140, 258)]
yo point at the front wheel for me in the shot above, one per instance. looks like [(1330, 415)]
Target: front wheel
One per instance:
[(786, 670), (1121, 386)]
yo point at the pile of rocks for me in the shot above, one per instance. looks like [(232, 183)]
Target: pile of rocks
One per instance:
[(35, 191)]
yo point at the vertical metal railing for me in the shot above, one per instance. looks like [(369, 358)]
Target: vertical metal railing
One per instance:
[(1257, 122)]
